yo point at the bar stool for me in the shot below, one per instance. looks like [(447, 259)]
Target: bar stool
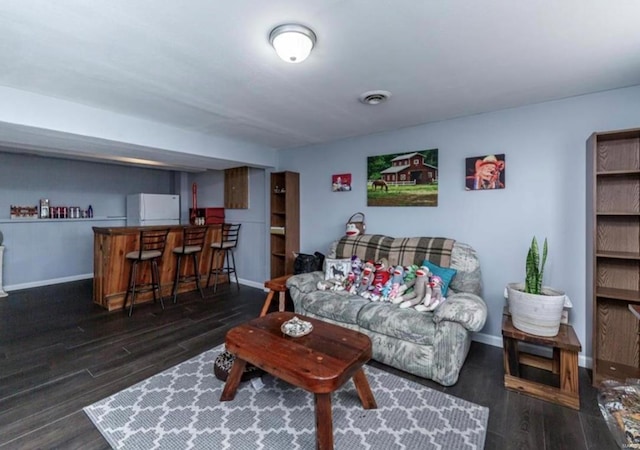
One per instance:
[(228, 242), (192, 243), (152, 243)]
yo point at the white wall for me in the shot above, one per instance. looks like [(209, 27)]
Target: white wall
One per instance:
[(544, 196)]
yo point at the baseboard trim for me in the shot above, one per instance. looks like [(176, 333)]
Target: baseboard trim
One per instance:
[(250, 283), (87, 276), (40, 283)]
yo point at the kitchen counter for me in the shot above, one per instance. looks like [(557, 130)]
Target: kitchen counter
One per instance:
[(111, 269)]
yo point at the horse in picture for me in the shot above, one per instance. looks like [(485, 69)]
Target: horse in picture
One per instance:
[(380, 183)]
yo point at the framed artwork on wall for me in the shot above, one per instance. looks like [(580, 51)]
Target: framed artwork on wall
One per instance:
[(485, 172), (403, 179), (341, 182)]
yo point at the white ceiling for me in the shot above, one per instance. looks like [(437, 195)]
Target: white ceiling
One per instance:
[(206, 66)]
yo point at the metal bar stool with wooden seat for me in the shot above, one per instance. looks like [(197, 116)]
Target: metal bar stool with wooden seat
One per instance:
[(228, 242), (192, 243), (152, 243)]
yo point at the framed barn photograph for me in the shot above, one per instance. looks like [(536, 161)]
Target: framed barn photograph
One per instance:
[(403, 179), (485, 172)]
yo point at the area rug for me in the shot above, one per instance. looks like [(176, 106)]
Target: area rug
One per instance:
[(180, 409)]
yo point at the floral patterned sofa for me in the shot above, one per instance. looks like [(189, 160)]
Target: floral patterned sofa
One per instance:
[(428, 344)]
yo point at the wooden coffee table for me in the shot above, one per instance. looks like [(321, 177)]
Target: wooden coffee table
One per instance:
[(320, 362)]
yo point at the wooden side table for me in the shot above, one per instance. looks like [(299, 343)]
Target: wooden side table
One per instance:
[(276, 285), (563, 363)]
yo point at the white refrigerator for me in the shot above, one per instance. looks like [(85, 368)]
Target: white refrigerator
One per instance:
[(153, 209)]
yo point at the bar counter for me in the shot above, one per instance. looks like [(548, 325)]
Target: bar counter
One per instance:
[(111, 268)]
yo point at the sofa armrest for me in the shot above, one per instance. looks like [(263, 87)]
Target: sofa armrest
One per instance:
[(302, 284), (467, 309)]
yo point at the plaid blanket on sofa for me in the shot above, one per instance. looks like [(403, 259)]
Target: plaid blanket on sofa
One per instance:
[(405, 251)]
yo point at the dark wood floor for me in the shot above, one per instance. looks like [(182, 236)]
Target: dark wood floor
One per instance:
[(59, 353)]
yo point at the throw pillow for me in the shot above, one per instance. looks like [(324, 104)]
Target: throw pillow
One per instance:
[(336, 268), (446, 273)]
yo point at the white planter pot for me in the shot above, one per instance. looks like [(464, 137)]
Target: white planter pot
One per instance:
[(536, 314)]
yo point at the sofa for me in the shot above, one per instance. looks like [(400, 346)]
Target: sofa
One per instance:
[(431, 345)]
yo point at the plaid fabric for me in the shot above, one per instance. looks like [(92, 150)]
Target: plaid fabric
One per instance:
[(405, 251)]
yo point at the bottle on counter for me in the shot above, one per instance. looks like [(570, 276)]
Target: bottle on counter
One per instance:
[(90, 212)]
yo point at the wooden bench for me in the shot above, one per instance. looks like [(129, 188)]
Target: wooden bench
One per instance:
[(564, 363)]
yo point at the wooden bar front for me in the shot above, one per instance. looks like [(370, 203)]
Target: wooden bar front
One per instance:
[(111, 268)]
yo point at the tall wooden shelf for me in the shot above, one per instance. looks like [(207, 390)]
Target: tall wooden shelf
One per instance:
[(613, 251), (285, 222)]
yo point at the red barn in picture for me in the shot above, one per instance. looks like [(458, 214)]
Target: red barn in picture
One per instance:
[(410, 169)]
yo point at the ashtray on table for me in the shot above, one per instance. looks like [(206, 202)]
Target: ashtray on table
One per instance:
[(296, 327)]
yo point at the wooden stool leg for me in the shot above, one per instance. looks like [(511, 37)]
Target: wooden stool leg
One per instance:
[(364, 390), (267, 302), (555, 362), (324, 422), (233, 380), (569, 371), (511, 357)]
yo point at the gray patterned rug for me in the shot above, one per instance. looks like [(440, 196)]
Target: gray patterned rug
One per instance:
[(179, 409)]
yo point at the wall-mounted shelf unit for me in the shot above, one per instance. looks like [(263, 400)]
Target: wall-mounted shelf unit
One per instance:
[(285, 222), (613, 252), (86, 219)]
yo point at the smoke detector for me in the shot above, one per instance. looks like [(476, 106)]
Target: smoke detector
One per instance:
[(374, 97)]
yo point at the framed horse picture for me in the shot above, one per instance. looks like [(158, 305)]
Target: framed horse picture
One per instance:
[(403, 179)]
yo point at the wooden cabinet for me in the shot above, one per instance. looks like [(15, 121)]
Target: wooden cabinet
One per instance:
[(613, 251), (236, 188), (285, 222)]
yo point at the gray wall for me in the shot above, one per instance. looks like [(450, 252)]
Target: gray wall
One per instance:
[(45, 251), (544, 196), (49, 251)]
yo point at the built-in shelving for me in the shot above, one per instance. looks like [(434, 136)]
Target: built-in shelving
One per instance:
[(285, 222), (613, 252)]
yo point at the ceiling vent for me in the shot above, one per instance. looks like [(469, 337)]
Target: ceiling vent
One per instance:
[(374, 97)]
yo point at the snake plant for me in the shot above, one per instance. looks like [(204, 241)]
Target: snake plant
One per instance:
[(535, 269)]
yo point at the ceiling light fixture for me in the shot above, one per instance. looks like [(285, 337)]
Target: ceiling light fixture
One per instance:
[(374, 97), (293, 43)]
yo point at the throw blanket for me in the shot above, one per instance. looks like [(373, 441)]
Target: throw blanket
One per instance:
[(405, 251)]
